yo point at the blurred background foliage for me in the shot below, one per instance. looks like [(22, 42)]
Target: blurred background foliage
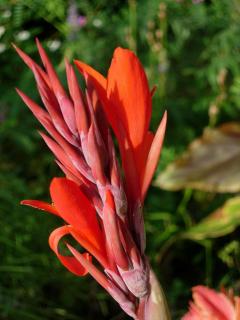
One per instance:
[(190, 50)]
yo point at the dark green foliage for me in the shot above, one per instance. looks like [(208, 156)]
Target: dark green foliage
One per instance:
[(191, 51)]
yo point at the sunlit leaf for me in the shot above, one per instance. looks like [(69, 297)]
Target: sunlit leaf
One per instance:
[(221, 222), (211, 163)]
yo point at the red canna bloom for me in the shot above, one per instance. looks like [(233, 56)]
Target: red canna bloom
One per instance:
[(101, 208), (211, 305)]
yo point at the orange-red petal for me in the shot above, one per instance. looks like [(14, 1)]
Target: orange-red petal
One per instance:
[(41, 205), (98, 252), (71, 263), (132, 184), (84, 68), (75, 208), (141, 155), (129, 94)]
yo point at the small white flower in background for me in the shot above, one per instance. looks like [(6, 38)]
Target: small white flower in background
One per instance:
[(23, 35), (6, 14), (97, 23), (54, 45), (2, 30), (3, 47)]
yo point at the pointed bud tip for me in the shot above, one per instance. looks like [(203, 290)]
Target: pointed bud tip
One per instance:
[(14, 46), (42, 134), (18, 50), (164, 118), (66, 61), (19, 92)]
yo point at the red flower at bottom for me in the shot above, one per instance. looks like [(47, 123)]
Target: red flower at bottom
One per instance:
[(211, 305)]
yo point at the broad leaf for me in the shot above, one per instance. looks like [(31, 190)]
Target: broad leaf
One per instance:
[(212, 163), (221, 222)]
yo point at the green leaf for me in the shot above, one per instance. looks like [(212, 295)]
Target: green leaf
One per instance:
[(220, 223)]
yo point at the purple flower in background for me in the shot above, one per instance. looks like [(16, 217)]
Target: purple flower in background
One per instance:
[(74, 20), (82, 21)]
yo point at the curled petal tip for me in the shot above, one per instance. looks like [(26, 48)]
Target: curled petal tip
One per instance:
[(71, 263)]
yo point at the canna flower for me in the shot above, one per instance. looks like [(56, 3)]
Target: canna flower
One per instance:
[(211, 305), (100, 206)]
